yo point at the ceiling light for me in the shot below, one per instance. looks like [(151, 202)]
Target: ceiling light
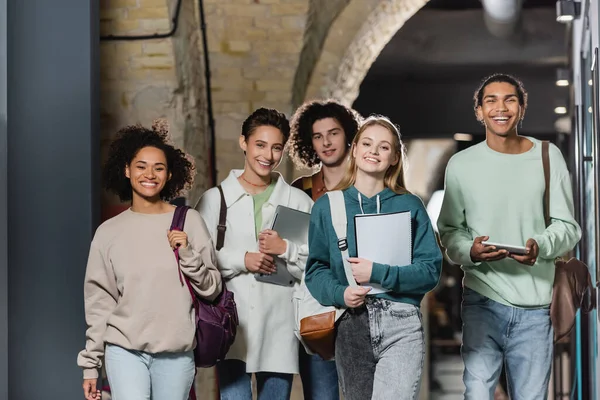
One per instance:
[(590, 109), (562, 77), (590, 82), (560, 110), (567, 10), (463, 137)]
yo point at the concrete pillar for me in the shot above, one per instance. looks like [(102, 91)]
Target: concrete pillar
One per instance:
[(3, 205), (53, 184)]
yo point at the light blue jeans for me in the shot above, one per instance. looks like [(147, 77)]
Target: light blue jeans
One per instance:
[(493, 333), (135, 375), (379, 351)]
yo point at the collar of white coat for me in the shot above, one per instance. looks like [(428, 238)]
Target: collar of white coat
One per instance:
[(233, 190)]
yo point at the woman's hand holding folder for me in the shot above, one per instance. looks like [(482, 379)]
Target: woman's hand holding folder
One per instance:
[(361, 269), (355, 296)]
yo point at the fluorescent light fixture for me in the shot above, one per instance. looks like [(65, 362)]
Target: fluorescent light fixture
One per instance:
[(567, 10), (562, 77), (463, 137), (560, 110)]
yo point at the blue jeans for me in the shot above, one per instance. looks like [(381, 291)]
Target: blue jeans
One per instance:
[(379, 351), (135, 375), (493, 333), (319, 377), (236, 384)]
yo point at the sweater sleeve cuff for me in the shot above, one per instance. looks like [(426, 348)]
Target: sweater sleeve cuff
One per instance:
[(231, 259), (377, 273), (543, 245), (464, 255), (338, 296), (90, 373), (186, 253), (290, 253)]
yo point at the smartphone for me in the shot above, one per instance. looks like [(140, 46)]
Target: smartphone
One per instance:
[(518, 250)]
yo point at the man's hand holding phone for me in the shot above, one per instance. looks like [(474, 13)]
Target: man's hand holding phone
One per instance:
[(530, 258), (481, 252)]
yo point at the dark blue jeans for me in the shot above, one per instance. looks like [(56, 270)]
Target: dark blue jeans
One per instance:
[(236, 384), (319, 377)]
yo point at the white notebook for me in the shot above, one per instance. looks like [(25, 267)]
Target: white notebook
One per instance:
[(384, 238)]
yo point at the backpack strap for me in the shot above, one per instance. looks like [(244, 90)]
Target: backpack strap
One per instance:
[(340, 225), (177, 225), (222, 226), (546, 164)]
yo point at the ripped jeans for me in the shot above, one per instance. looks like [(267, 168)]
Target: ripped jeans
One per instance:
[(379, 351)]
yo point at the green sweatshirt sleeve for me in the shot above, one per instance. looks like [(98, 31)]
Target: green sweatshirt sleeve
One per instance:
[(452, 225), (563, 233), (319, 277), (424, 273)]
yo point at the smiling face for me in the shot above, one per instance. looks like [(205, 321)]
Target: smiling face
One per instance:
[(148, 173), (500, 110), (329, 141), (264, 150), (374, 151)]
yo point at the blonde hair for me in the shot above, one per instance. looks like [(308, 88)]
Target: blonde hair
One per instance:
[(394, 176)]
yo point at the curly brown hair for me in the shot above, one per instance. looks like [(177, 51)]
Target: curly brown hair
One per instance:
[(128, 142), (300, 144)]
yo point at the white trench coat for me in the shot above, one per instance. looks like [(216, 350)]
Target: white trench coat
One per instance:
[(265, 338)]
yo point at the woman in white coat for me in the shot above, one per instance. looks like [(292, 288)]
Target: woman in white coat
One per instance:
[(265, 343)]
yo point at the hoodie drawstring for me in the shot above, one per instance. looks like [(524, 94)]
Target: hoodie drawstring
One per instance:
[(361, 207), (360, 203)]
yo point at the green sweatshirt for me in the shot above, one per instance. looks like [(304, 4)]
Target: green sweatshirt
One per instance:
[(325, 277), (501, 196)]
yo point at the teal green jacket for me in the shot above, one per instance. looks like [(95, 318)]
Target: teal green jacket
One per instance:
[(325, 277)]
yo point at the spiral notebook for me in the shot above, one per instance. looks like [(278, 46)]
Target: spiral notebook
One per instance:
[(385, 239)]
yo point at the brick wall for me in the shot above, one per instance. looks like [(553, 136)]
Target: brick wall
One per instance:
[(254, 50)]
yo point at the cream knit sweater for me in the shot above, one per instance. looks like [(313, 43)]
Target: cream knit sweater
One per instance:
[(133, 294)]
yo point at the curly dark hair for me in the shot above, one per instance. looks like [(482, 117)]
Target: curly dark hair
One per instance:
[(266, 117), (300, 147), (521, 92), (127, 143)]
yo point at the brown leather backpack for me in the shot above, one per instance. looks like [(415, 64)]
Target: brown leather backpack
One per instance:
[(572, 278)]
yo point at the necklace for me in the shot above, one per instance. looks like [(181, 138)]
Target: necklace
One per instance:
[(253, 184)]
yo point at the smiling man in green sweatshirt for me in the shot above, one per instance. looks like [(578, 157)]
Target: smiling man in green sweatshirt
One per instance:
[(494, 191)]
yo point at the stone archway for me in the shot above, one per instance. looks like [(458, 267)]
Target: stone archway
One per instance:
[(341, 45), (352, 45)]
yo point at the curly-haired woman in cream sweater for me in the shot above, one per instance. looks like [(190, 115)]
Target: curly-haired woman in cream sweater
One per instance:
[(138, 309)]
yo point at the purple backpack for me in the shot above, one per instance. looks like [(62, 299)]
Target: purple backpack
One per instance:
[(216, 322)]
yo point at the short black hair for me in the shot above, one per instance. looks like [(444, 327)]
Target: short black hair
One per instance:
[(521, 92), (127, 143), (266, 117), (300, 148)]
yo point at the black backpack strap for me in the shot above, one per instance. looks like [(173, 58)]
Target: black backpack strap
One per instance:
[(222, 226)]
